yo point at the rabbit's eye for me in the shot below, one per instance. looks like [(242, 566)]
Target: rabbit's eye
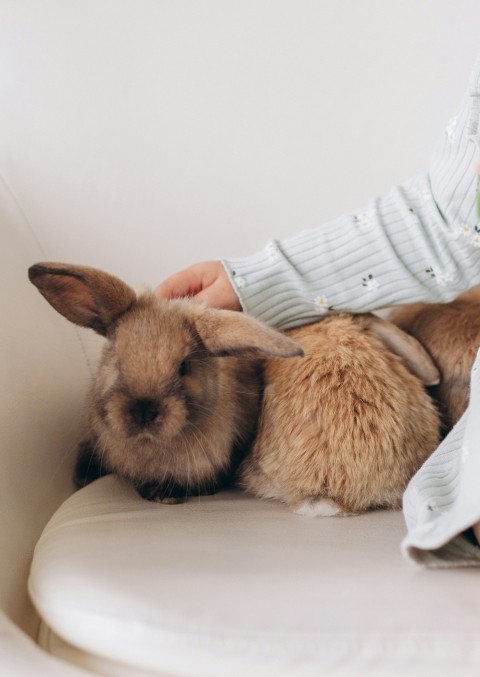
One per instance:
[(183, 368)]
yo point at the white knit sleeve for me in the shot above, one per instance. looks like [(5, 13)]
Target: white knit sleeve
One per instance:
[(420, 242)]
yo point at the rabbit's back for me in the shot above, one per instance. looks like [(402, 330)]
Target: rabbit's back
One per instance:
[(347, 422), (451, 334)]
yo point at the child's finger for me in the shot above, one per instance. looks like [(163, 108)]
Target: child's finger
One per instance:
[(184, 283), (219, 295)]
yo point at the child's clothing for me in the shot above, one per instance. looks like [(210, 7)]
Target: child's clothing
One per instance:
[(420, 242)]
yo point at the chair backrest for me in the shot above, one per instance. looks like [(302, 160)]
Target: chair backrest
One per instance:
[(43, 374)]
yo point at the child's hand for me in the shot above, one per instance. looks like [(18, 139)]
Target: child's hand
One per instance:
[(205, 282)]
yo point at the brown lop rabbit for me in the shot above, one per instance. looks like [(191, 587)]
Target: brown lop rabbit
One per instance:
[(344, 429), (450, 332), (176, 396)]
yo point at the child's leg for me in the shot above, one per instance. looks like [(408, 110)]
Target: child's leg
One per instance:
[(443, 499)]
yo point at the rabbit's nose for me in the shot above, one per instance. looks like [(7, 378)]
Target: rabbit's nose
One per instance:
[(144, 412)]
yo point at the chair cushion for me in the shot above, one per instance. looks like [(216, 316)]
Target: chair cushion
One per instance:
[(229, 584)]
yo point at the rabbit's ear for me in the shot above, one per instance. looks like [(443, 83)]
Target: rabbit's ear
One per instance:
[(413, 354), (227, 332), (85, 296)]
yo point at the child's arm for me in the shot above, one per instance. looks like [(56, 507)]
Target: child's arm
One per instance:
[(420, 242)]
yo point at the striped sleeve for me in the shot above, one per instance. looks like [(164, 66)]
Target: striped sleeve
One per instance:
[(420, 242)]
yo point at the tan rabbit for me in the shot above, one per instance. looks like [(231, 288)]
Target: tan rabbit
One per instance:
[(174, 404), (343, 429), (451, 334)]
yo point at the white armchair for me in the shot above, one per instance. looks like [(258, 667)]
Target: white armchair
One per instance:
[(140, 137)]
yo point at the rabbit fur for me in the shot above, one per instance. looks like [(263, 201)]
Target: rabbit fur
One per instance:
[(343, 429), (450, 332), (175, 398), (177, 404)]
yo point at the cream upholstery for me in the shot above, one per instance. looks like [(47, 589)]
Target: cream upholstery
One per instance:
[(140, 137), (228, 584)]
